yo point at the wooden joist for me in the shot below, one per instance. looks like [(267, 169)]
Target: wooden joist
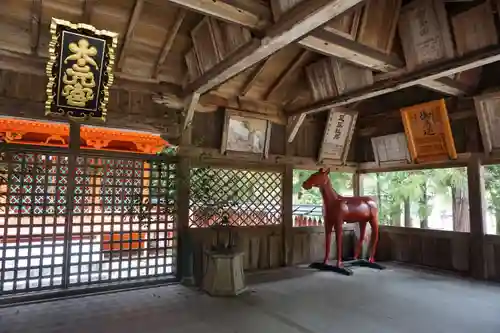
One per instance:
[(36, 12), (291, 27), (169, 41), (230, 11), (88, 7), (134, 18), (406, 80), (319, 40)]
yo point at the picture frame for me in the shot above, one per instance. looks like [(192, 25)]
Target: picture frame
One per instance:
[(488, 116), (244, 135)]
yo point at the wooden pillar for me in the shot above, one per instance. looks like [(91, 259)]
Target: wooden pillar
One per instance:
[(74, 149), (357, 183), (288, 205), (185, 245), (288, 215), (477, 217)]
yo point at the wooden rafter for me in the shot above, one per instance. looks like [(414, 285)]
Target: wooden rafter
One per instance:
[(406, 80), (172, 33), (224, 10), (36, 12), (253, 77), (134, 18), (291, 27), (88, 7), (287, 74), (319, 40)]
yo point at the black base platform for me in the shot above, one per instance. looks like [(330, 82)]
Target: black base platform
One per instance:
[(347, 264)]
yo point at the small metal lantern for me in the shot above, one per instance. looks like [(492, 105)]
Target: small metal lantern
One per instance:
[(220, 227)]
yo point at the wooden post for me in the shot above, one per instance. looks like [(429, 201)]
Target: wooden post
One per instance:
[(288, 205), (288, 215), (74, 148), (477, 216), (357, 183), (185, 246)]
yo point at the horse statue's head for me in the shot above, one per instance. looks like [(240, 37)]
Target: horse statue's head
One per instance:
[(317, 179)]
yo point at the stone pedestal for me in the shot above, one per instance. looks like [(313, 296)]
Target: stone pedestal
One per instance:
[(225, 276)]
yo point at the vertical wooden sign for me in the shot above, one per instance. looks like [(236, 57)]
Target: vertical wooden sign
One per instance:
[(79, 70), (337, 137), (392, 148), (428, 131), (488, 116)]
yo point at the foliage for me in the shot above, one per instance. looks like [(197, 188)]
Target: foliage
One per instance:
[(341, 182)]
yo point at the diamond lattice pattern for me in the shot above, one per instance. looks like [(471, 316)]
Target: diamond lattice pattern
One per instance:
[(250, 198)]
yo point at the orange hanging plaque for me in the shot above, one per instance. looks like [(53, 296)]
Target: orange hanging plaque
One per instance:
[(428, 131)]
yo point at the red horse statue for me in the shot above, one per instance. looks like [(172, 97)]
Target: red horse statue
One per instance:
[(338, 209)]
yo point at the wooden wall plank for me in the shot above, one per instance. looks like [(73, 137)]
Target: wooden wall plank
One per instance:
[(378, 26)]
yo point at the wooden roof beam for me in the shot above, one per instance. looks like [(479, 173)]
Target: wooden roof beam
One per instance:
[(255, 16), (331, 44), (292, 26), (390, 84), (134, 18), (172, 33), (243, 12), (36, 13)]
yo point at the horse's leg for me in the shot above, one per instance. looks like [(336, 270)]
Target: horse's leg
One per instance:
[(374, 238), (359, 247), (328, 239), (338, 240)]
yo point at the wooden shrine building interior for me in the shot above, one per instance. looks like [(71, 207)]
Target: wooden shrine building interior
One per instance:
[(185, 71)]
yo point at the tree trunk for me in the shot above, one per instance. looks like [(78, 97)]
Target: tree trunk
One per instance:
[(497, 220), (396, 219), (407, 210), (424, 218), (460, 203)]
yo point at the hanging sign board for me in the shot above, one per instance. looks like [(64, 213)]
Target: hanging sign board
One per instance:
[(80, 70), (391, 148), (428, 131), (337, 137), (488, 116)]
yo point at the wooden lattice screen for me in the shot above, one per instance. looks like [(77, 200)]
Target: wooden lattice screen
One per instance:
[(69, 220), (250, 198)]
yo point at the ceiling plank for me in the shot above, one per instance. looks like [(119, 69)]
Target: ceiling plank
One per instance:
[(297, 63), (172, 33), (36, 13), (134, 18), (292, 26), (391, 84)]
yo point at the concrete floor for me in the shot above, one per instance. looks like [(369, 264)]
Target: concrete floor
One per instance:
[(292, 300)]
